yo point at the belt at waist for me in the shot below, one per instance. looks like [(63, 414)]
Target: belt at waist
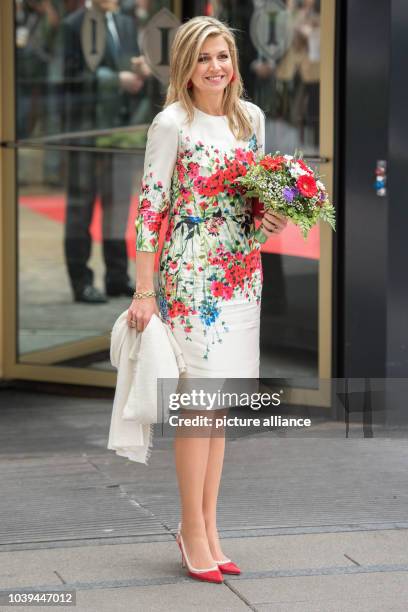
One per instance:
[(196, 220), (192, 221)]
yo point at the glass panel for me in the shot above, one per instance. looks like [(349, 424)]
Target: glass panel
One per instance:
[(69, 237), (90, 75), (66, 95), (279, 49), (86, 67)]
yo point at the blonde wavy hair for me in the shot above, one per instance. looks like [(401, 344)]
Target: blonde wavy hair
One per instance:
[(184, 55)]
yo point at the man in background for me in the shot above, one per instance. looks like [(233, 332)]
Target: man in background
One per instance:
[(102, 98)]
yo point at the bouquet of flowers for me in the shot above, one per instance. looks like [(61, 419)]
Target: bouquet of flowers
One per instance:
[(286, 185)]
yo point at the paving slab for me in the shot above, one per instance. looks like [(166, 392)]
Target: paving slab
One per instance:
[(148, 560), (319, 550), (90, 564), (313, 592), (182, 597), (375, 547), (15, 574), (173, 598), (368, 604)]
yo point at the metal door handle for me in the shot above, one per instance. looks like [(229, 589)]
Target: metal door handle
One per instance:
[(315, 159)]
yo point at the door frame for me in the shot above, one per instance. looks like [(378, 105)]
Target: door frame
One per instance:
[(322, 396)]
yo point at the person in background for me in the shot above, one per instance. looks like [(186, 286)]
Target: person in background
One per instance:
[(99, 99), (37, 22)]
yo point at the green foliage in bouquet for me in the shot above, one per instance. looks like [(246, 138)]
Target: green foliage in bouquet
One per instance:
[(286, 185)]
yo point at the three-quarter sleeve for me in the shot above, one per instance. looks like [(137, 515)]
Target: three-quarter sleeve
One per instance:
[(154, 197)]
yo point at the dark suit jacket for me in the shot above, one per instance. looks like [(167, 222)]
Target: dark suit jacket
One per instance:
[(95, 100)]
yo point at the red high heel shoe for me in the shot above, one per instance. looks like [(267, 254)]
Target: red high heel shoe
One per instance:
[(211, 574), (226, 566)]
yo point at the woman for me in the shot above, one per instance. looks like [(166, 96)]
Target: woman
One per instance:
[(210, 266)]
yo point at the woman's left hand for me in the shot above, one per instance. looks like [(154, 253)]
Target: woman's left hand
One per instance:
[(273, 223)]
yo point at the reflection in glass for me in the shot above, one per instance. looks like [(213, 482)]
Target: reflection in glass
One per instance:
[(288, 66), (76, 207), (81, 80), (280, 64), (279, 49), (48, 316), (61, 87)]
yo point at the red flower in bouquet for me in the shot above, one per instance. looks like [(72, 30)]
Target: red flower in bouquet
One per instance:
[(307, 186), (272, 163), (304, 166)]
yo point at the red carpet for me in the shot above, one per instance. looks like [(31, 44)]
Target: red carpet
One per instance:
[(290, 242)]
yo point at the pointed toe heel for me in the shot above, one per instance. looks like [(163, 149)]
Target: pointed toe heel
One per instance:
[(210, 574), (228, 567)]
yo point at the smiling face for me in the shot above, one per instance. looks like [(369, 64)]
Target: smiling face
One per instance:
[(214, 67)]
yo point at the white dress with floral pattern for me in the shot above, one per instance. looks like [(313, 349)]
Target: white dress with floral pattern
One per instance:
[(210, 278)]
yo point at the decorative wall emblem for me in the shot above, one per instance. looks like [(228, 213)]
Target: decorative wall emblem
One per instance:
[(271, 28), (156, 43), (93, 37)]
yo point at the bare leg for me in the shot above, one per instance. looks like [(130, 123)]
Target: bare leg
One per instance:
[(211, 488), (191, 458)]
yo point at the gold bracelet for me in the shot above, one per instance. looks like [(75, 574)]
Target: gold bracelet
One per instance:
[(142, 294)]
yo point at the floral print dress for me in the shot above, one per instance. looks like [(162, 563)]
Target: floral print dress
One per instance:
[(210, 277)]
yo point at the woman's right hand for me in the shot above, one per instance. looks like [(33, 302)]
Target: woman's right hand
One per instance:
[(140, 312), (273, 223)]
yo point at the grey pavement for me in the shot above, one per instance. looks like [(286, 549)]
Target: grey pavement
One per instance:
[(317, 524)]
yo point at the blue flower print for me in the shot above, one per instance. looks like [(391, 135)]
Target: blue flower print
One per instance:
[(163, 307), (253, 143), (209, 312)]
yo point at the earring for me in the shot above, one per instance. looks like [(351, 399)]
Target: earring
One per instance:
[(189, 84)]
